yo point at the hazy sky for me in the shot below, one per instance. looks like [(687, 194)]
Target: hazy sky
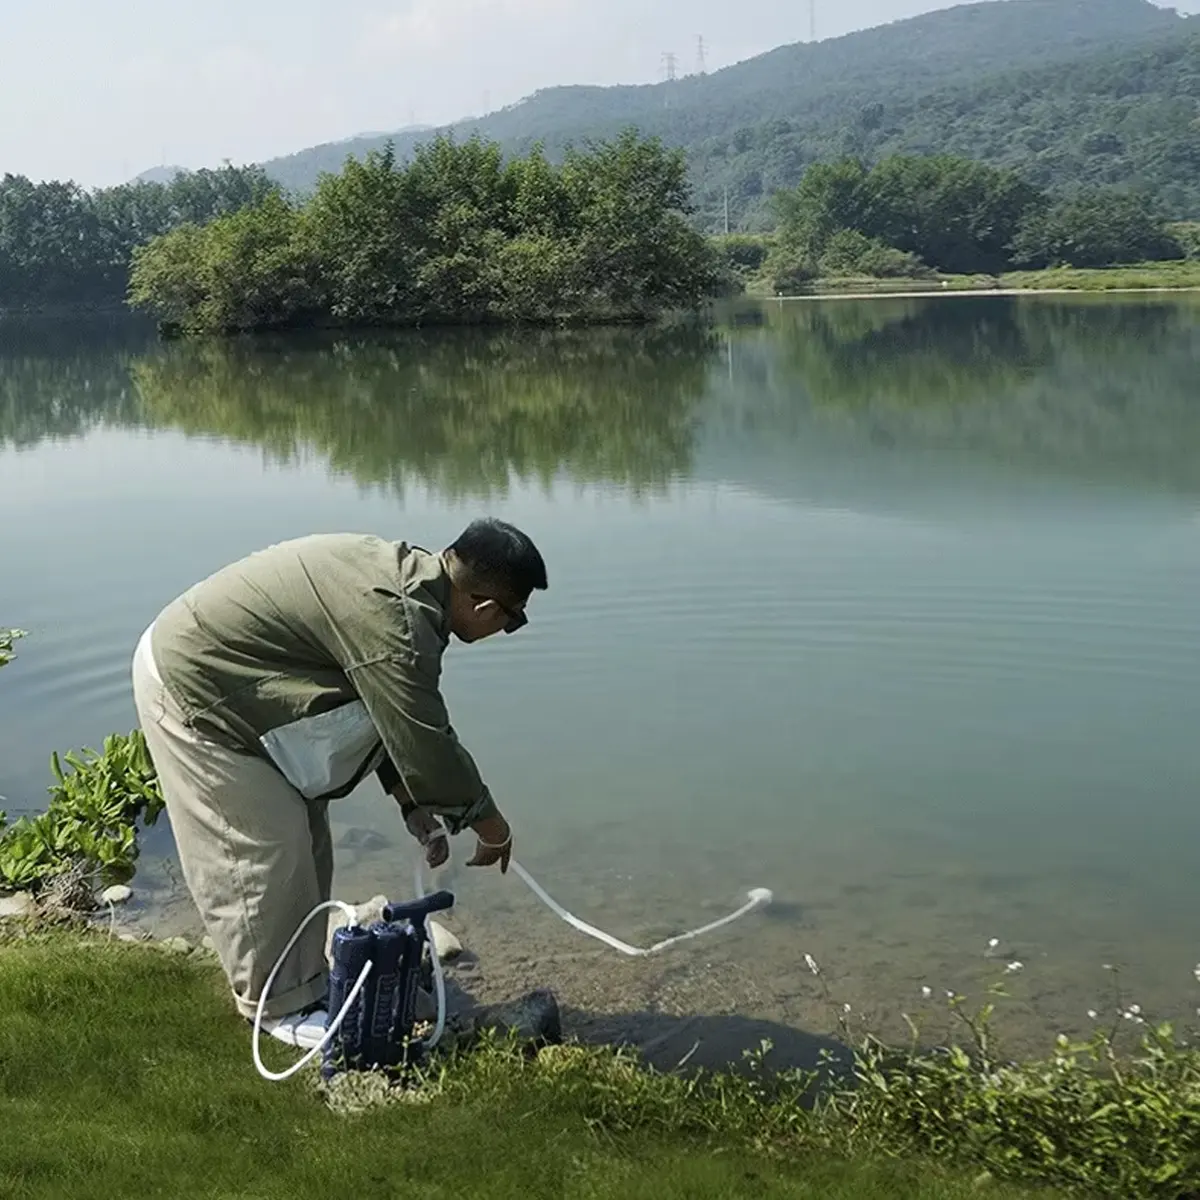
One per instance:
[(98, 90)]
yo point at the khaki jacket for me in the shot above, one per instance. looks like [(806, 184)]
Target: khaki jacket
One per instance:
[(323, 655)]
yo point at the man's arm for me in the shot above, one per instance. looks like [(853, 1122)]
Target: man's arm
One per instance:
[(426, 759)]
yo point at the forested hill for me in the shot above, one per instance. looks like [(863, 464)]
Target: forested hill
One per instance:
[(755, 125), (1129, 119)]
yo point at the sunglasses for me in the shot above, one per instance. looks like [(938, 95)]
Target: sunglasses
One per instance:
[(516, 619)]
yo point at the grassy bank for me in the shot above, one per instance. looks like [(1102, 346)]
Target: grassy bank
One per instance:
[(123, 1072), (1181, 275)]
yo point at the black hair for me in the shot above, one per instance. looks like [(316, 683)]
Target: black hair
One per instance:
[(499, 555)]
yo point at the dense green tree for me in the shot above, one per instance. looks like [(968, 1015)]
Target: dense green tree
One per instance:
[(637, 252), (248, 270), (958, 215), (907, 214), (62, 245), (829, 198), (357, 225), (455, 236), (1095, 229), (1187, 234), (51, 247)]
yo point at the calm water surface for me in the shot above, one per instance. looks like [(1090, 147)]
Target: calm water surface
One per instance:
[(888, 606)]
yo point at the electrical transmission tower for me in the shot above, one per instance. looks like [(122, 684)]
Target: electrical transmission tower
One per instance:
[(700, 70), (669, 65)]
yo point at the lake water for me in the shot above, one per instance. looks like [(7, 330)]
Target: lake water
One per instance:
[(889, 606)]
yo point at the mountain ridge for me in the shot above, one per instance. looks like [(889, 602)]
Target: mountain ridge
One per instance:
[(933, 49), (753, 127)]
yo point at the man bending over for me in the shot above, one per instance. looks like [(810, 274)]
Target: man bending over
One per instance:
[(281, 682)]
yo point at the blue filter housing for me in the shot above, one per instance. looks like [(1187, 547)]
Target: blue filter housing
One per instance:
[(378, 1026), (352, 950)]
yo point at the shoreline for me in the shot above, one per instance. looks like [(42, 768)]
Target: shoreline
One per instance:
[(948, 293), (739, 985)]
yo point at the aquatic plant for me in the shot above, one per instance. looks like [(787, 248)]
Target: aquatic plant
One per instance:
[(7, 638), (91, 823)]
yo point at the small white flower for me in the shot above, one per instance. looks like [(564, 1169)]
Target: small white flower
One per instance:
[(1196, 972), (1135, 1009), (949, 994), (846, 1008), (1108, 966), (1128, 1016), (812, 964), (1092, 1014), (1014, 967), (993, 943), (928, 991)]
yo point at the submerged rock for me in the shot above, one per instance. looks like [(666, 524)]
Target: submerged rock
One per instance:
[(16, 906), (176, 945), (358, 838), (534, 1017), (445, 945)]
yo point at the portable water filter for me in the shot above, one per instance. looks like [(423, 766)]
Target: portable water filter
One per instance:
[(352, 950), (376, 1031)]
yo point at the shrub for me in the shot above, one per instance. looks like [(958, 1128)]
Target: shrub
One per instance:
[(1097, 228), (743, 252), (1187, 234), (850, 253), (789, 270)]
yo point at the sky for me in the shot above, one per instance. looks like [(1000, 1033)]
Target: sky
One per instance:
[(99, 90)]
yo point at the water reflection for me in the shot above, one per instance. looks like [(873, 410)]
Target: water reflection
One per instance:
[(1094, 387)]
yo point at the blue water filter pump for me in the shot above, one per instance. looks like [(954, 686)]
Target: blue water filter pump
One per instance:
[(377, 1030)]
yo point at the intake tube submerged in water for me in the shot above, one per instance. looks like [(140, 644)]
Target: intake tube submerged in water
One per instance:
[(758, 897)]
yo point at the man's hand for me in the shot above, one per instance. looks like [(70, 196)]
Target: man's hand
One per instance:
[(428, 830), (494, 843)]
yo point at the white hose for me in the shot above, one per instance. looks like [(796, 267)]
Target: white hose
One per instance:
[(333, 1026), (756, 898)]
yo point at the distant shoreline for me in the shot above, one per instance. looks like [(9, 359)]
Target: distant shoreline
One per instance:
[(974, 292), (1176, 275)]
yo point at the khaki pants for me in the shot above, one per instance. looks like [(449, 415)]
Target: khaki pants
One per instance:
[(256, 856)]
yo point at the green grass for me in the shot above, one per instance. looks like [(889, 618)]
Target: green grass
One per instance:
[(871, 286), (1143, 277), (1182, 274), (124, 1073)]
